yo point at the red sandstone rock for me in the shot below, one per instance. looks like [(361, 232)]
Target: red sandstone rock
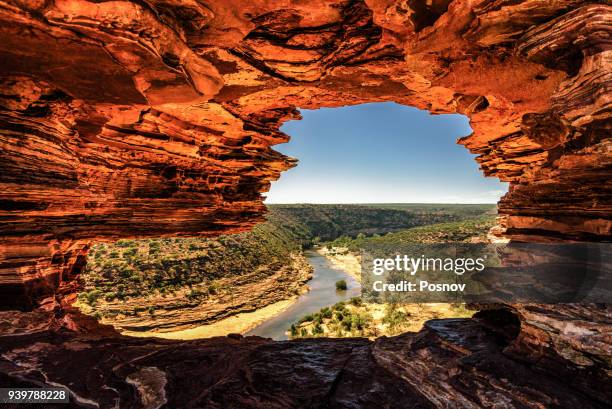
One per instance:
[(134, 119), (459, 363), (124, 119)]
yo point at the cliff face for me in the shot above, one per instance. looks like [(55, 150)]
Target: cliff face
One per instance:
[(130, 119), (133, 119)]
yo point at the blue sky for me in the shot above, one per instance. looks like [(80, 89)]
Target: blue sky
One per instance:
[(380, 153)]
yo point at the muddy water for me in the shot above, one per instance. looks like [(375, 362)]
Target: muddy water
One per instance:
[(322, 294)]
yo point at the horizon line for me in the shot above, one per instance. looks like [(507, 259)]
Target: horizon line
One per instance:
[(380, 203)]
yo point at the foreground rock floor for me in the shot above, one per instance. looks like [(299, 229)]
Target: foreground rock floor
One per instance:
[(451, 363)]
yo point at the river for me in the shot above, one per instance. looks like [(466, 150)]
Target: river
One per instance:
[(322, 294)]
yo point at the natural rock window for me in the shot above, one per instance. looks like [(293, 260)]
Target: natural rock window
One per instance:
[(381, 153), (153, 119)]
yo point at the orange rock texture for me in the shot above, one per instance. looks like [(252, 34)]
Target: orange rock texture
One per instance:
[(153, 118), (451, 363), (134, 119)]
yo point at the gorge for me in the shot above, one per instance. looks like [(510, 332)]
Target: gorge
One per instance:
[(135, 119)]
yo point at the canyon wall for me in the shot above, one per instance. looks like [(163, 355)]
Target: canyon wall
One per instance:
[(123, 119), (134, 119)]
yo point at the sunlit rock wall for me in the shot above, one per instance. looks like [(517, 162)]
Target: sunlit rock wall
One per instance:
[(134, 119)]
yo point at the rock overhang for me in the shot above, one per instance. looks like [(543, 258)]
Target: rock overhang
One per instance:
[(138, 119), (124, 119)]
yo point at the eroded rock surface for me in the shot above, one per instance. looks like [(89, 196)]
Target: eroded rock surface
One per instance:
[(243, 293), (131, 119), (459, 363)]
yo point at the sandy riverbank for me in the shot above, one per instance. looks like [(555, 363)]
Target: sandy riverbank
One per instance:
[(383, 320), (236, 324), (342, 259)]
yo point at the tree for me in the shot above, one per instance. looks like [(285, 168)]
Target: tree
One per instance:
[(347, 323), (341, 285)]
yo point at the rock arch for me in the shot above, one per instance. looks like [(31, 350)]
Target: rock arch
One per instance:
[(124, 119), (151, 118)]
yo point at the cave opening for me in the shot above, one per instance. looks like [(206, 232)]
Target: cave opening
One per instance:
[(364, 171), (171, 112), (381, 153)]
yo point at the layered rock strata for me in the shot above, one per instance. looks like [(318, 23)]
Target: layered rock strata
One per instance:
[(243, 293), (459, 363), (133, 119), (130, 119)]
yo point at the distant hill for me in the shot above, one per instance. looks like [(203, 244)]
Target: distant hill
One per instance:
[(330, 221)]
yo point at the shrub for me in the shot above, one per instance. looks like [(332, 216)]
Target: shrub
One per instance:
[(395, 318), (126, 272), (90, 297), (130, 252), (359, 321), (153, 247), (194, 294), (341, 285), (124, 243), (356, 301)]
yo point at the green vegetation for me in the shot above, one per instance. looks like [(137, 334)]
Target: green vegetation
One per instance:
[(342, 320), (193, 266), (341, 285), (471, 229), (395, 318), (358, 319), (137, 268), (459, 210), (328, 222), (194, 270)]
